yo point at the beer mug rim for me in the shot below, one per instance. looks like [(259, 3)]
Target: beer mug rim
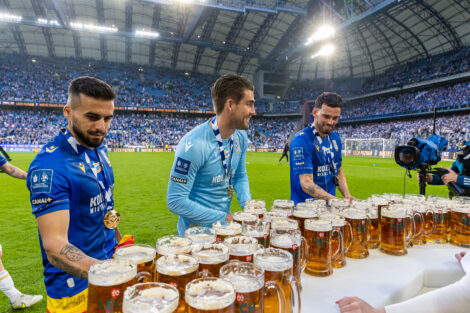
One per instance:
[(244, 216), (269, 216), (461, 209), (305, 213), (165, 269), (395, 213), (222, 228), (217, 258), (211, 304), (117, 254), (127, 272), (165, 245), (285, 223), (354, 214), (131, 295), (246, 269), (318, 225), (199, 229), (285, 260)]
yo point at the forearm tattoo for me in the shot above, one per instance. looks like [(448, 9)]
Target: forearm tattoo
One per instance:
[(71, 254)]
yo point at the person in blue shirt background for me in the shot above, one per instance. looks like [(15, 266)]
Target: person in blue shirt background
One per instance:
[(209, 161), (71, 185), (17, 299), (316, 162)]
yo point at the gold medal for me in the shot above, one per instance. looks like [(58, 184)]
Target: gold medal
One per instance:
[(112, 219), (230, 191)]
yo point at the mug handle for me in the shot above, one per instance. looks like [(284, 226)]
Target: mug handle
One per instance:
[(410, 230), (295, 295), (304, 255), (144, 277), (340, 248), (348, 225), (434, 224), (280, 295)]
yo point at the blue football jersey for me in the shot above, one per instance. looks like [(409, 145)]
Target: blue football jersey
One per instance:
[(309, 156), (2, 160), (61, 178), (197, 190)]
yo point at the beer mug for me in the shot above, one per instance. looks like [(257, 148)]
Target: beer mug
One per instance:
[(460, 225), (150, 298), (242, 248), (277, 266), (396, 229), (343, 238), (338, 205), (320, 250), (200, 235), (380, 201), (359, 222), (319, 204), (302, 212), (210, 294), (173, 245), (177, 270), (107, 281), (257, 207), (461, 199), (281, 205), (424, 225), (226, 229), (142, 255), (270, 216), (260, 231), (372, 212), (211, 256), (441, 220), (284, 223), (291, 240), (246, 217), (250, 288)]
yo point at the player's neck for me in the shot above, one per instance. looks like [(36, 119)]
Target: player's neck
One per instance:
[(70, 129), (319, 132), (225, 127)]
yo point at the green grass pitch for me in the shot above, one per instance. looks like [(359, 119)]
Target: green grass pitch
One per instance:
[(140, 197)]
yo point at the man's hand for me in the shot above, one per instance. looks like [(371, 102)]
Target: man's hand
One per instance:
[(459, 256), (428, 178), (350, 198), (450, 177), (229, 217), (356, 305)]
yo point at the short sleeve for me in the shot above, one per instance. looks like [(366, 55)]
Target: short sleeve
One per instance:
[(3, 161), (48, 186), (301, 156)]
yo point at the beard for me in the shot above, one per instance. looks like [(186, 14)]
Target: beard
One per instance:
[(88, 141)]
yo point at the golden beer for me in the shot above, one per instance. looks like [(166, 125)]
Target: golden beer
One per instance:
[(226, 229), (200, 235), (320, 253), (374, 235), (341, 239), (173, 245), (248, 218), (107, 281), (211, 258), (210, 295), (360, 233), (178, 271), (260, 231), (291, 240), (142, 255), (460, 226), (302, 212), (423, 223), (150, 298), (242, 248), (396, 230), (441, 220), (277, 266)]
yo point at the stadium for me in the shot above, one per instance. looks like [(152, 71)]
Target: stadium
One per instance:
[(401, 67)]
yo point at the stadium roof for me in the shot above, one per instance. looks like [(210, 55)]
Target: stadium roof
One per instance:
[(219, 36)]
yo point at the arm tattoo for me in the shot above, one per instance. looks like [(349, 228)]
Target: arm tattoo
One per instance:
[(72, 253)]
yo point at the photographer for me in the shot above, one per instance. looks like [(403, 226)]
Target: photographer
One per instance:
[(459, 172)]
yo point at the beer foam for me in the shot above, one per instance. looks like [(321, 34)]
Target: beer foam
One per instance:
[(214, 294), (305, 213), (269, 216), (112, 272), (211, 253), (241, 245), (253, 209), (328, 216), (155, 299), (395, 213), (173, 245), (318, 225), (285, 241), (200, 235), (461, 208), (227, 229), (202, 238), (254, 233), (244, 283), (244, 216), (284, 223), (274, 260), (138, 254), (177, 265), (354, 214)]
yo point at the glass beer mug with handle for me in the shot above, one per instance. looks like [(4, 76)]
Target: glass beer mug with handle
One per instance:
[(211, 258), (200, 235), (150, 298), (424, 223), (277, 266), (343, 239), (250, 286), (460, 225), (359, 221), (107, 281), (210, 295), (143, 255), (291, 240)]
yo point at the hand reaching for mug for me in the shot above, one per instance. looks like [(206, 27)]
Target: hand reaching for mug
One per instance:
[(356, 305)]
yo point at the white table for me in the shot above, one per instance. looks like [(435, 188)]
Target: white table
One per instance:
[(382, 279)]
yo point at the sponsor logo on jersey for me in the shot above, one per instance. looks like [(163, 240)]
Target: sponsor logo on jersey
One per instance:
[(298, 153), (182, 166), (41, 181), (179, 180), (219, 179), (97, 203), (45, 200)]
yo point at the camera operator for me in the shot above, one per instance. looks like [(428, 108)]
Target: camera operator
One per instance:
[(459, 172)]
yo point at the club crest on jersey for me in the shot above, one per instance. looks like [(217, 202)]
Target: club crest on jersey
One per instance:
[(298, 153), (182, 166), (41, 180), (97, 166)]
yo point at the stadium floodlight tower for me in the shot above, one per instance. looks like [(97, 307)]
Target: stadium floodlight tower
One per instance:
[(369, 146)]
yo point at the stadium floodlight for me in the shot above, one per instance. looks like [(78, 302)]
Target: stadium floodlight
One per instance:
[(326, 50), (93, 28), (44, 21), (10, 17), (147, 34), (322, 33)]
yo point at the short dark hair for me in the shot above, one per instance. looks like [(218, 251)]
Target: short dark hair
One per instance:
[(91, 87), (229, 86), (330, 99)]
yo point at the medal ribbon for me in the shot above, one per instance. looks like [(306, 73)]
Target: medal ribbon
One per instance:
[(329, 157), (226, 166)]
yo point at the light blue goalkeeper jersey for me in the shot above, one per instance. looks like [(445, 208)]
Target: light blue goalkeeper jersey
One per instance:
[(197, 190)]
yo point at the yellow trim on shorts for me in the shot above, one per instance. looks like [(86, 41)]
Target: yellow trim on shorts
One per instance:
[(2, 278), (74, 304)]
